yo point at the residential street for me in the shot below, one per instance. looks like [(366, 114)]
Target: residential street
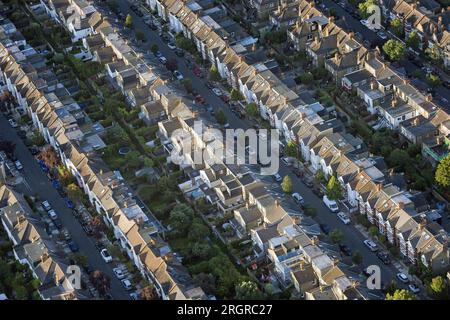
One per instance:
[(38, 183), (353, 238)]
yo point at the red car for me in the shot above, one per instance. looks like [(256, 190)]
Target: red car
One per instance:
[(199, 99), (198, 71), (225, 98)]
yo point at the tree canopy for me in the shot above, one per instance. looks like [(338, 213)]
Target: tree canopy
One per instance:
[(394, 50), (286, 185), (442, 175), (401, 294)]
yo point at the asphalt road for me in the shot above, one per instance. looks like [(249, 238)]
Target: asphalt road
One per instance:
[(39, 183), (353, 237)]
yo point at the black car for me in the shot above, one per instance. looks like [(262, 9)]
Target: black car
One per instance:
[(308, 182), (298, 172), (384, 257), (446, 84), (22, 134), (345, 249), (318, 192), (325, 229), (57, 223), (179, 52), (62, 193), (34, 151), (88, 269)]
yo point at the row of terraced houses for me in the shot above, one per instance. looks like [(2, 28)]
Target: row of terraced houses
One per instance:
[(76, 138), (274, 230)]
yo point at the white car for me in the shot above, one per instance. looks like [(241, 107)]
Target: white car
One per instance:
[(402, 277), (162, 59), (414, 288), (286, 161), (18, 165), (298, 198), (277, 177), (52, 214), (171, 46), (217, 92), (344, 218), (364, 23), (119, 273), (46, 205), (106, 256), (127, 284), (331, 204), (371, 245), (178, 75), (13, 123)]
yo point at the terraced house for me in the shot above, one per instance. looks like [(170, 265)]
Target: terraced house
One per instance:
[(76, 138), (35, 248)]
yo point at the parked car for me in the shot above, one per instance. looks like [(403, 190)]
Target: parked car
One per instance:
[(345, 249), (106, 256), (171, 46), (18, 165), (331, 204), (119, 273), (298, 172), (371, 245), (325, 228), (13, 123), (318, 191), (217, 91), (382, 35), (344, 218), (57, 223), (179, 52), (402, 277), (384, 257), (414, 288), (69, 203), (88, 229), (73, 246), (127, 284), (308, 182), (162, 59), (46, 205), (134, 296), (277, 177), (52, 214), (177, 74), (210, 85), (298, 198), (286, 161), (200, 99)]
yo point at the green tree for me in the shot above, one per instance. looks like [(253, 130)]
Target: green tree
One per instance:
[(306, 78), (396, 26), (373, 231), (154, 48), (221, 117), (129, 21), (198, 231), (334, 189), (140, 36), (413, 40), (438, 288), (252, 109), (442, 175), (394, 50), (214, 73), (248, 290), (201, 250), (364, 6), (399, 157), (187, 83), (357, 258), (433, 80), (401, 294), (336, 236), (319, 176), (433, 53), (286, 185), (236, 95), (180, 218), (74, 192), (291, 149)]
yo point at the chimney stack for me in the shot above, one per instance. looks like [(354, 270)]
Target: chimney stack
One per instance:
[(315, 240), (422, 224)]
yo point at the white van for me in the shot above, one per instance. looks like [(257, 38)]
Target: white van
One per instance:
[(331, 204)]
